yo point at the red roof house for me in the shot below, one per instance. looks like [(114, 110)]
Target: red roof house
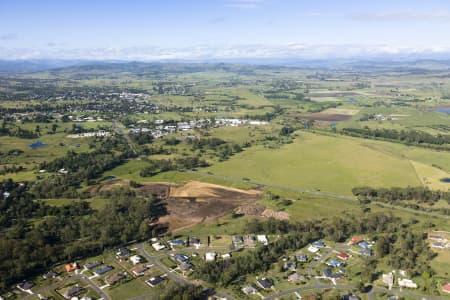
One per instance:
[(343, 256), (71, 267), (446, 288), (355, 240)]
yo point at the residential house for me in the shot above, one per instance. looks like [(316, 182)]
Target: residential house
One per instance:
[(364, 245), (289, 266), (313, 249), (114, 278), (237, 239), (343, 256), (355, 240), (72, 292), (250, 240), (329, 274), (366, 252), (262, 238), (181, 258), (294, 277), (176, 243), (71, 267), (139, 270), (210, 256), (122, 254), (158, 246), (154, 281), (335, 263), (438, 245), (446, 288), (226, 256), (194, 242), (185, 266), (92, 265), (50, 275), (318, 244), (407, 283), (301, 257), (264, 283), (388, 279), (25, 286), (249, 290), (437, 238), (135, 259), (103, 270)]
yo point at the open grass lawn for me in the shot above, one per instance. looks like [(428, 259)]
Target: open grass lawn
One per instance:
[(441, 263), (331, 164), (132, 288)]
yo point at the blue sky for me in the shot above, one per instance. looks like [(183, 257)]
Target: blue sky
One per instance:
[(147, 30)]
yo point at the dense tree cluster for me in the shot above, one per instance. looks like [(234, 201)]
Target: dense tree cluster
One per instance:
[(420, 194), (80, 167), (17, 131), (67, 232), (410, 137), (163, 165)]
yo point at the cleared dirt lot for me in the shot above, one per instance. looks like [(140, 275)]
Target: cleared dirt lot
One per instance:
[(197, 202)]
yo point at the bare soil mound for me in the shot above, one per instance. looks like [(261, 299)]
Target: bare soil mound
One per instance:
[(197, 202)]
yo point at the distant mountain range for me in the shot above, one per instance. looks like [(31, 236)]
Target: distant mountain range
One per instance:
[(27, 66)]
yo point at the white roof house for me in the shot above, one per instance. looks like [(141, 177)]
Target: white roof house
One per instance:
[(158, 246), (407, 283), (135, 259), (313, 249), (210, 256), (262, 238)]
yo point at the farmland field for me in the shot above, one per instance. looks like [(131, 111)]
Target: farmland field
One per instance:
[(340, 163)]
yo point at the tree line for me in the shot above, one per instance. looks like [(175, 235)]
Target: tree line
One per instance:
[(409, 137)]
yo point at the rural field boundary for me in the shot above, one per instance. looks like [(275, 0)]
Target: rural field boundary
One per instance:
[(318, 193)]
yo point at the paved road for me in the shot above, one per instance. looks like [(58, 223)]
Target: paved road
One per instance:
[(119, 128), (73, 276), (174, 276)]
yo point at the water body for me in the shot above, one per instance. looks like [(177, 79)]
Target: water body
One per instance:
[(445, 110), (446, 180), (37, 145)]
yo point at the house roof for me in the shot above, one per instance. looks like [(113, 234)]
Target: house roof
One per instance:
[(71, 267), (249, 290), (356, 239), (92, 264), (180, 257), (114, 278), (265, 283), (155, 280), (446, 287), (123, 252), (139, 269), (26, 285), (103, 270)]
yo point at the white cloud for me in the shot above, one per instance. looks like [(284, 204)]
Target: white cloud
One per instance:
[(204, 52), (402, 16), (244, 4)]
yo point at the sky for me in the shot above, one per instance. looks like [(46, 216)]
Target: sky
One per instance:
[(222, 29)]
